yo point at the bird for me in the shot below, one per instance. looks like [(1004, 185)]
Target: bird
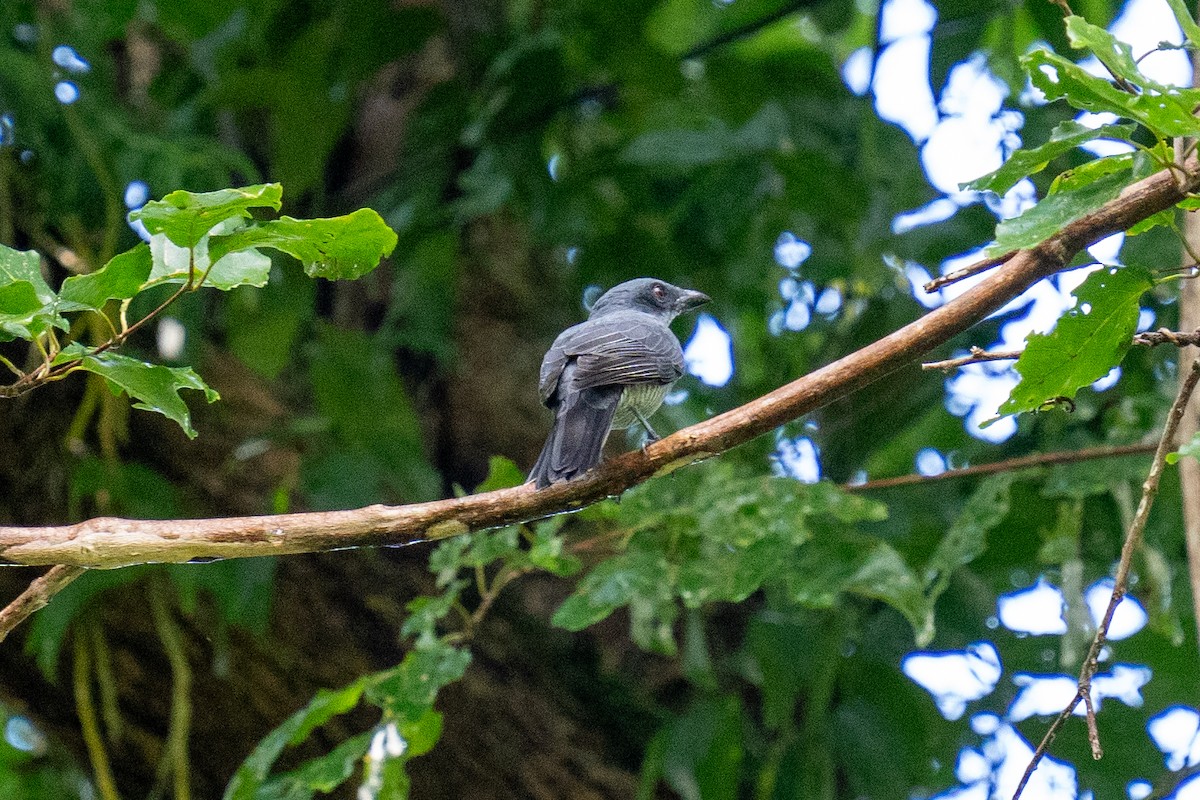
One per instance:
[(610, 372)]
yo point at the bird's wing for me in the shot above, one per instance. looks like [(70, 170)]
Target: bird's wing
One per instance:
[(624, 348), (552, 368)]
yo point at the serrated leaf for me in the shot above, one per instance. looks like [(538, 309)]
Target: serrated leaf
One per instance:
[(153, 387), (336, 248), (119, 279), (547, 553), (1065, 137), (186, 217), (1190, 448), (1087, 342), (425, 612), (487, 546), (1090, 187), (326, 705), (1165, 115)]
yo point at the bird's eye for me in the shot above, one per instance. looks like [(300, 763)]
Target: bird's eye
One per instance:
[(658, 291)]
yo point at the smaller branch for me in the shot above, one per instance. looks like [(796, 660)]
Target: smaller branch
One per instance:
[(966, 272), (36, 596), (1148, 339), (1008, 465), (1120, 582)]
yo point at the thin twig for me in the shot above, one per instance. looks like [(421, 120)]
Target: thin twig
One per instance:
[(36, 596), (1008, 465), (978, 355), (1148, 339), (1120, 582), (966, 272)]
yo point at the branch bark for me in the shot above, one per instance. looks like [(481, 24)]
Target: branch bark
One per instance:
[(111, 543)]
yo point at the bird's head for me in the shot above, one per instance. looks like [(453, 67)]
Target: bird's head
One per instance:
[(650, 296)]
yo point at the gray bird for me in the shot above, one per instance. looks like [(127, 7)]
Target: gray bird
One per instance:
[(611, 371)]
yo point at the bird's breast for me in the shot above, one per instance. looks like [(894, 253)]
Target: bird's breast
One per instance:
[(638, 398)]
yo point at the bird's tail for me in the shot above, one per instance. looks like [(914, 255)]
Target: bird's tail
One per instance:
[(576, 440)]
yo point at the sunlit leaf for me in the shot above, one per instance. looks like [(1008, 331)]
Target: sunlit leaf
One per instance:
[(119, 279), (344, 247), (174, 264), (187, 217)]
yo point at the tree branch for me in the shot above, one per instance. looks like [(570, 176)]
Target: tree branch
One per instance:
[(1007, 465), (109, 543), (36, 596), (1120, 582)]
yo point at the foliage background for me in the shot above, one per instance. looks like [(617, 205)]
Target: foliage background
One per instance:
[(685, 137)]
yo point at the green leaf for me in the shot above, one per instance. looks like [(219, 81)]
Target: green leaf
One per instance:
[(326, 705), (1065, 137), (447, 559), (1186, 22), (1190, 448), (152, 387), (19, 307), (967, 538), (828, 566), (1117, 56), (339, 247), (502, 474), (425, 612), (488, 546), (547, 552), (1165, 115), (409, 689), (187, 217), (704, 750), (1085, 190), (322, 774), (27, 304), (24, 266), (613, 583), (1074, 196), (175, 264), (1088, 341), (119, 279)]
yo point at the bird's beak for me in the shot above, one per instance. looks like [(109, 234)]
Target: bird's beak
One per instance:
[(690, 299)]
